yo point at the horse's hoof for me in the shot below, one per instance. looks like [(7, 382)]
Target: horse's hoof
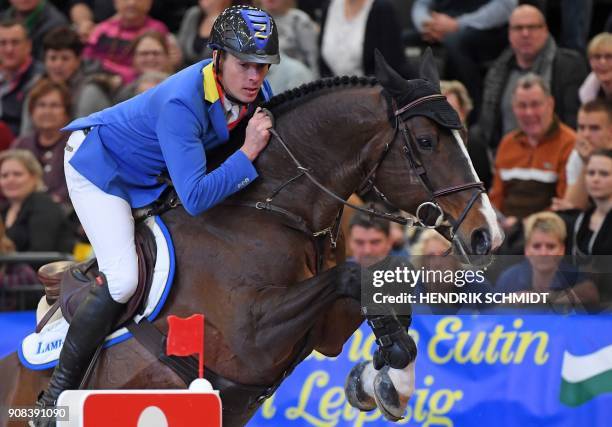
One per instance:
[(392, 400), (355, 386)]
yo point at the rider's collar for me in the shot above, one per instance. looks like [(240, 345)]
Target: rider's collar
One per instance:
[(213, 92)]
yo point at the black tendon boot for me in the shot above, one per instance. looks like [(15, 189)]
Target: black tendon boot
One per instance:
[(394, 383), (91, 323)]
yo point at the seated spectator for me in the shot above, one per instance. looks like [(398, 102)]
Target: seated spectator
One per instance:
[(530, 163), (543, 269), (297, 32), (458, 97), (195, 28), (6, 136), (368, 240), (89, 88), (34, 222), (532, 49), (594, 132), (151, 54), (598, 84), (350, 32), (49, 107), (591, 238), (18, 72), (111, 40), (38, 17), (592, 228), (473, 33)]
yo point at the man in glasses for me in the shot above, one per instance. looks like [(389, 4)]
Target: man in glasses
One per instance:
[(532, 49)]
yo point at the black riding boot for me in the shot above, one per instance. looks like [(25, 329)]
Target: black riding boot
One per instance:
[(92, 322)]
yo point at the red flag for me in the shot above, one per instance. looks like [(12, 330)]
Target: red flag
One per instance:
[(186, 337)]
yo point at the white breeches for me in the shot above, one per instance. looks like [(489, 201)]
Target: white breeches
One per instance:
[(109, 225)]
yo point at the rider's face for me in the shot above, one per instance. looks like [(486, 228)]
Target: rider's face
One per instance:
[(242, 79)]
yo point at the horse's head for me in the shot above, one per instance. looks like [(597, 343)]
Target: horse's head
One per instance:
[(429, 146)]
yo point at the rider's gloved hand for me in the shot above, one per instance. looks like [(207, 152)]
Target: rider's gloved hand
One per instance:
[(257, 134)]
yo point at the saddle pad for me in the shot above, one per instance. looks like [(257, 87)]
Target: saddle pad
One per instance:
[(40, 351)]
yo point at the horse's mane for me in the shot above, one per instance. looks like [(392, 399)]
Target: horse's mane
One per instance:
[(286, 100)]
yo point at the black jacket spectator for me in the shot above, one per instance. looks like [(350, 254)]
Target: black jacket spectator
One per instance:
[(382, 32), (41, 225), (568, 72)]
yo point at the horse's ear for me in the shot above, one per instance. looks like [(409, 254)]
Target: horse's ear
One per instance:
[(429, 69), (387, 76)]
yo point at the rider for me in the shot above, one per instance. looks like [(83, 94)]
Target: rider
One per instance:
[(114, 159)]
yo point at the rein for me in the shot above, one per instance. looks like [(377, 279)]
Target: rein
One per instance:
[(368, 182)]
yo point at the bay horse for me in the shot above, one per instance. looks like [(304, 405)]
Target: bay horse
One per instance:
[(255, 278)]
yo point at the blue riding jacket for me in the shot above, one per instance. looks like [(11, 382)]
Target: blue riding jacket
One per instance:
[(167, 128)]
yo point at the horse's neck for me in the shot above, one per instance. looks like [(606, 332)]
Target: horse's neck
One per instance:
[(327, 135)]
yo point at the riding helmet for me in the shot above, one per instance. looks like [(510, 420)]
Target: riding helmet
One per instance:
[(248, 33)]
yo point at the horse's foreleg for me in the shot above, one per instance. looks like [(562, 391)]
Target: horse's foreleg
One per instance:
[(337, 325)]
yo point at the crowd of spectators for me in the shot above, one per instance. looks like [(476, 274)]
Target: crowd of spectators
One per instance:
[(537, 104)]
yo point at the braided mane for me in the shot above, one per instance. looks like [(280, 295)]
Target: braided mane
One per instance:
[(285, 100)]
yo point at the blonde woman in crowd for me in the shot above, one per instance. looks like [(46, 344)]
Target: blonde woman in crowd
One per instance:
[(34, 222), (598, 84)]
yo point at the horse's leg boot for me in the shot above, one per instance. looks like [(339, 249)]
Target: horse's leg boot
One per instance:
[(91, 323), (359, 386), (393, 389), (394, 357)]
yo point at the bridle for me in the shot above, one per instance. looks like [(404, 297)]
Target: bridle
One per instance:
[(368, 182), (418, 168)]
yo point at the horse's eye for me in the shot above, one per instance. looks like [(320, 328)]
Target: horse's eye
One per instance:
[(425, 142)]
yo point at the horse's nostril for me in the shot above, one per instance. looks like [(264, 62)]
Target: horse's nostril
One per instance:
[(481, 241)]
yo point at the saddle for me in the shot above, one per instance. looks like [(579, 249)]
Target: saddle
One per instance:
[(67, 283)]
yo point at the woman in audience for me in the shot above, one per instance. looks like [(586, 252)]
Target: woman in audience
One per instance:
[(151, 54), (591, 239), (34, 222), (297, 33), (49, 108), (544, 270), (350, 32), (592, 229), (195, 28), (598, 84)]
